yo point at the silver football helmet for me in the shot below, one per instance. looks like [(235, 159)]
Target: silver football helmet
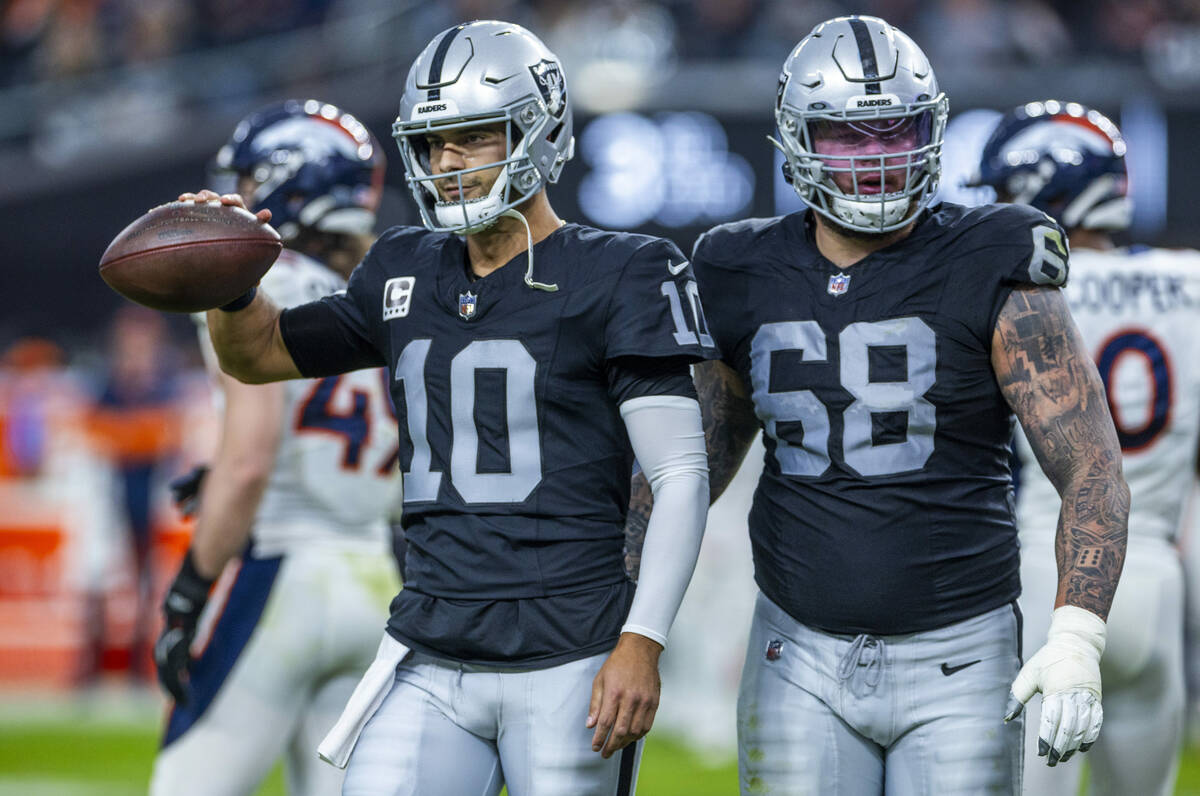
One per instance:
[(861, 82), (480, 73)]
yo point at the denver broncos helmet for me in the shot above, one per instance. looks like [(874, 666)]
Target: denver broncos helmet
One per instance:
[(1063, 158), (313, 166)]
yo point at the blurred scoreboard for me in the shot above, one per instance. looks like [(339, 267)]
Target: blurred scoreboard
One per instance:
[(676, 174)]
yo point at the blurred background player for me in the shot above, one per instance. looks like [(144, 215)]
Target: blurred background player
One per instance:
[(136, 421), (1138, 309), (298, 495)]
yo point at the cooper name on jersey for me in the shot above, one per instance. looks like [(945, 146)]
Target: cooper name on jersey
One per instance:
[(1130, 292)]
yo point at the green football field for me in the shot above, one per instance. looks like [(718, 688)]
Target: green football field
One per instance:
[(53, 759), (104, 745), (101, 750)]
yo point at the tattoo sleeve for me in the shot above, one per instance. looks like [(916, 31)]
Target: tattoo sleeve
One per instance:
[(729, 422), (729, 427), (1052, 385), (640, 503)]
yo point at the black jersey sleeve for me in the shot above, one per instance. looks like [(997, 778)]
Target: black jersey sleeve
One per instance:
[(638, 377), (713, 279), (723, 258), (1037, 253), (654, 309), (997, 248), (1040, 250), (334, 334)]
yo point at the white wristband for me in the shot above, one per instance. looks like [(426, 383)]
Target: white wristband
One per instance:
[(1070, 621)]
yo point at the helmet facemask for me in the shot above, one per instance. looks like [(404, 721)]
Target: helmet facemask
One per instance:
[(875, 191), (517, 180)]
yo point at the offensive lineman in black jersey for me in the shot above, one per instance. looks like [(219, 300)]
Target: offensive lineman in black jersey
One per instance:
[(884, 348), (530, 360)]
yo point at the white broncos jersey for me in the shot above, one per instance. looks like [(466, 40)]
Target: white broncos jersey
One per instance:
[(1139, 312), (336, 477)]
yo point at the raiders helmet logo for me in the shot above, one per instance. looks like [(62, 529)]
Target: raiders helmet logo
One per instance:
[(550, 83)]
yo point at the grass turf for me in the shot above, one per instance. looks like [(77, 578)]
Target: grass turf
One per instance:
[(72, 758), (91, 757)]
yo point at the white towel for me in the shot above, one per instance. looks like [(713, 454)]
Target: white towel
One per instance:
[(367, 697)]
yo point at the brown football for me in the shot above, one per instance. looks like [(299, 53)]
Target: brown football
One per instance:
[(188, 257)]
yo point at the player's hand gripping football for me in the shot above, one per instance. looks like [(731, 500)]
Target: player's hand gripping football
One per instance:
[(625, 694), (1067, 672), (229, 199), (181, 609)]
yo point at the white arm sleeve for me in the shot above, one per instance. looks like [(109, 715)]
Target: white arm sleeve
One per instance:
[(668, 440)]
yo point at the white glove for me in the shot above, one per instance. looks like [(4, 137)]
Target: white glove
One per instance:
[(1067, 672)]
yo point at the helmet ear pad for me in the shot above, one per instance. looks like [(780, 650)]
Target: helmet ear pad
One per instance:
[(787, 173)]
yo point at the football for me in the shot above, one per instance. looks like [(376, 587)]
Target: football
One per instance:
[(188, 257)]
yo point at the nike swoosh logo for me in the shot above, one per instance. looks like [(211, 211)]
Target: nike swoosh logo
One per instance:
[(676, 269), (949, 670)]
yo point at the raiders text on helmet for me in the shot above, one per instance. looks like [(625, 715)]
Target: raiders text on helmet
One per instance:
[(476, 74), (863, 75)]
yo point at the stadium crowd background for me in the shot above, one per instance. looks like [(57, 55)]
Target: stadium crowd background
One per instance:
[(108, 107)]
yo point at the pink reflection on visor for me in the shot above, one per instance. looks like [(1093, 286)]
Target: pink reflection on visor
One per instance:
[(862, 149)]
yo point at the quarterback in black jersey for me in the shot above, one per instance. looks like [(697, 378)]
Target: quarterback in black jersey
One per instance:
[(883, 346), (530, 360)]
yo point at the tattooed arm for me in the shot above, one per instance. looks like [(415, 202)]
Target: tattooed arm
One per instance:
[(729, 428), (1053, 388)]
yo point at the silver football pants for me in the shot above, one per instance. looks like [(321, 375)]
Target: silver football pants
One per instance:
[(449, 729), (921, 713)]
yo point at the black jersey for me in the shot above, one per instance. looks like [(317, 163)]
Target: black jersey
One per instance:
[(515, 458), (884, 506)]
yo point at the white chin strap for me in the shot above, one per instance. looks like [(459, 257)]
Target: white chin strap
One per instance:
[(471, 215), (858, 214)]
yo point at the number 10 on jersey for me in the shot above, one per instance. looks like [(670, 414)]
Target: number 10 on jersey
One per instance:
[(421, 481)]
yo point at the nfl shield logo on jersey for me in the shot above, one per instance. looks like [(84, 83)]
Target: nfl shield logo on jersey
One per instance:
[(774, 650), (838, 284), (466, 305)]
